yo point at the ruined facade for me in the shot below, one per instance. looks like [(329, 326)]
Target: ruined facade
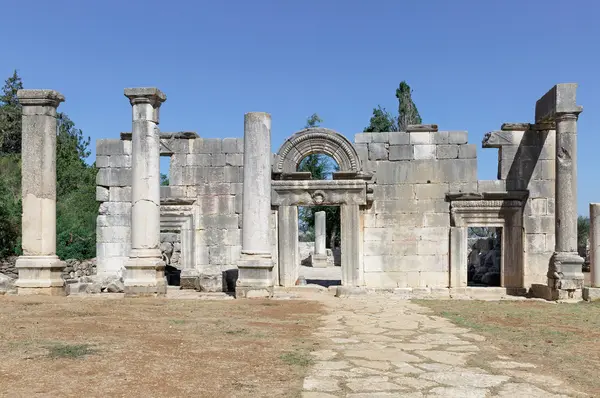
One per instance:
[(407, 201)]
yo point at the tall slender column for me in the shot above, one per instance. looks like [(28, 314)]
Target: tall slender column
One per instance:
[(39, 267), (319, 257), (565, 273), (595, 244), (144, 271), (255, 266)]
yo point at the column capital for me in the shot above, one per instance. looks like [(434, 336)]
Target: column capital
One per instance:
[(145, 95), (564, 116), (40, 97)]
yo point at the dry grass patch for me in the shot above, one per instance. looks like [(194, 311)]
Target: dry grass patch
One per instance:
[(561, 339), (73, 347)]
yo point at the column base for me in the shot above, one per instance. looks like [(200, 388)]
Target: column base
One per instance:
[(591, 293), (565, 272), (144, 276), (318, 260), (255, 276), (40, 275)]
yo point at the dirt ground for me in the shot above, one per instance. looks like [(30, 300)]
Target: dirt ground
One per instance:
[(563, 339), (74, 347)]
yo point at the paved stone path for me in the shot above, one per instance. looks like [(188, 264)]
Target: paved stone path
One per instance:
[(384, 347)]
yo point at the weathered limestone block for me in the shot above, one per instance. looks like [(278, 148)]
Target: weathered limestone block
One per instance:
[(457, 137), (399, 138), (420, 138), (39, 267), (380, 137), (424, 151), (209, 283), (467, 151), (401, 152), (378, 151), (207, 145), (363, 138), (447, 151)]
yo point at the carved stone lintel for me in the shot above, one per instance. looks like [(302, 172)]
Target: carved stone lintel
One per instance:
[(318, 192)]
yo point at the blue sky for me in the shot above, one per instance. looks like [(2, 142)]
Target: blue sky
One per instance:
[(472, 64)]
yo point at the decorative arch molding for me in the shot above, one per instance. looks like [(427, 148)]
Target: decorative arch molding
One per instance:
[(316, 140)]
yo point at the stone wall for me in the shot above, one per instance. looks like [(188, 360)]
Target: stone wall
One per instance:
[(406, 230), (74, 269), (205, 184), (113, 191), (526, 161)]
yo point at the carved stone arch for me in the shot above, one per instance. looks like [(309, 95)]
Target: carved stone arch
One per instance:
[(316, 140)]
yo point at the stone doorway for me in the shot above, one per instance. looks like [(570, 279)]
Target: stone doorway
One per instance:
[(348, 189), (319, 245)]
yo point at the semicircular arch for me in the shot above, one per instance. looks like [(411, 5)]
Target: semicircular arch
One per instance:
[(316, 140)]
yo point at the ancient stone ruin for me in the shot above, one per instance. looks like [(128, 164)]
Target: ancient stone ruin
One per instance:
[(228, 220)]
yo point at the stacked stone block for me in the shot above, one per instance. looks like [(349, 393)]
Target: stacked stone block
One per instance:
[(210, 171), (526, 161), (113, 191), (406, 230)]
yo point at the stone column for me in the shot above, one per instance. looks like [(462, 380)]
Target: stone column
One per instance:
[(319, 257), (352, 265), (595, 244), (39, 267), (144, 271), (255, 278), (593, 292), (565, 273), (289, 258)]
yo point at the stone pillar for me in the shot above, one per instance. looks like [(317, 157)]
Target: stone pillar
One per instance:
[(595, 244), (320, 232), (593, 292), (318, 259), (255, 278), (144, 271), (352, 265), (565, 275), (39, 267), (458, 257), (289, 258)]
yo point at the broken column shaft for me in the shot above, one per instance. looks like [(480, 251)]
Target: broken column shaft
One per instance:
[(144, 271), (39, 267)]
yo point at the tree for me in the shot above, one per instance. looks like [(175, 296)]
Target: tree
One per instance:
[(320, 167), (383, 121), (164, 180), (583, 231), (76, 206), (407, 110), (10, 116)]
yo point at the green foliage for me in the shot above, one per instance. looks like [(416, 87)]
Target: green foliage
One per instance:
[(10, 204), (164, 180), (76, 206), (10, 116), (407, 110), (320, 167), (313, 121), (383, 121), (583, 230)]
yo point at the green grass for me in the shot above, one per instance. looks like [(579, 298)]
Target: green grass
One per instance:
[(297, 358), (72, 351)]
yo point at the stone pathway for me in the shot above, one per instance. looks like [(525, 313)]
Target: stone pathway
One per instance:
[(378, 346)]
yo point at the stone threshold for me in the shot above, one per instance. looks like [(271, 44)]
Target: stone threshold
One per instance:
[(465, 293)]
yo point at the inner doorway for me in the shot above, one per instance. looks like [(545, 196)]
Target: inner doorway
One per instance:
[(484, 260), (319, 245)]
